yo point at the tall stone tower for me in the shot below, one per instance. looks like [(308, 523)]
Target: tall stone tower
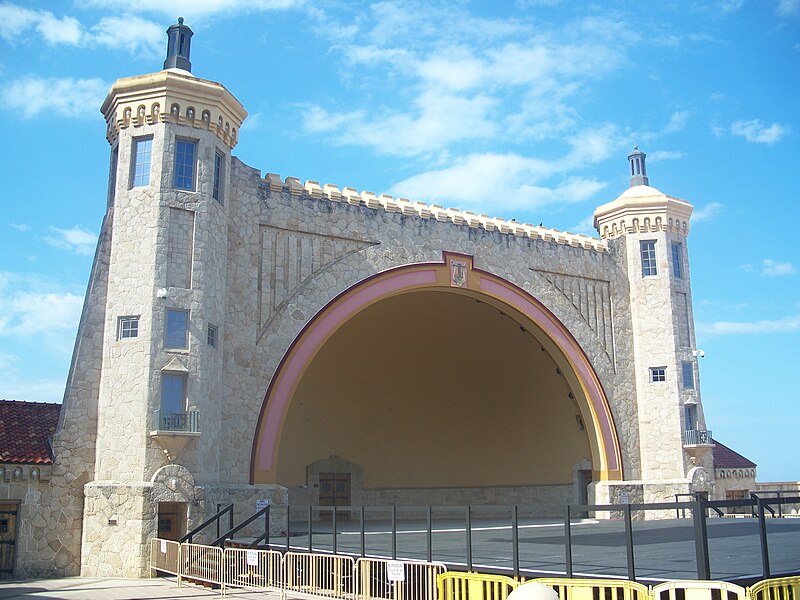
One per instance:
[(650, 229), (159, 414)]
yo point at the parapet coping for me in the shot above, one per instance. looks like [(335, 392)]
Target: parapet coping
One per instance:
[(328, 191)]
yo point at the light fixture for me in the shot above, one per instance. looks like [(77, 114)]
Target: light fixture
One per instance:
[(162, 293)]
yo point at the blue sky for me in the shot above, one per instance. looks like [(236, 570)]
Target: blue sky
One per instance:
[(522, 110)]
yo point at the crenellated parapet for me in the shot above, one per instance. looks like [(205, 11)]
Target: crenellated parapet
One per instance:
[(642, 209), (413, 208), (173, 96)]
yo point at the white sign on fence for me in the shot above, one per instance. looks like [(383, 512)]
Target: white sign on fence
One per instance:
[(395, 571), (252, 558), (163, 546)]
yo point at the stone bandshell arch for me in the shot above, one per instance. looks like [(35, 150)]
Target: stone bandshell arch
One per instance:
[(504, 295)]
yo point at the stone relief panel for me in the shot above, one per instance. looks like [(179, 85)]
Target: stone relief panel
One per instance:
[(289, 259), (592, 299)]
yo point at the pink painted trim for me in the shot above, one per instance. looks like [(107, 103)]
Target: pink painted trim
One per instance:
[(329, 321), (545, 320)]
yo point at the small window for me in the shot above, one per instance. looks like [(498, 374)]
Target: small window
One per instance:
[(185, 152), (217, 189), (176, 328), (112, 175), (689, 417), (677, 260), (687, 375), (658, 374), (648, 248), (128, 327), (213, 335), (140, 167)]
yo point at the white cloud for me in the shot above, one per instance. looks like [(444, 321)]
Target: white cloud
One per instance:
[(138, 36), (660, 155), (775, 268), (677, 121), (498, 184), (14, 20), (755, 131), (32, 96), (730, 5), (20, 226), (785, 325), (77, 240), (32, 306), (198, 8), (585, 226), (707, 212), (59, 31), (788, 7)]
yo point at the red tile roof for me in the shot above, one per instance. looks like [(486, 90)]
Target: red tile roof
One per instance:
[(725, 458), (25, 431)]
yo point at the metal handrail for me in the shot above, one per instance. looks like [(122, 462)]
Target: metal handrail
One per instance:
[(188, 537), (265, 536)]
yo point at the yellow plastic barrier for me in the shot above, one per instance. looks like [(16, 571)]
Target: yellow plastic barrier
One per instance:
[(698, 590), (779, 588), (474, 586), (326, 575), (591, 589), (165, 556), (258, 569), (382, 579)]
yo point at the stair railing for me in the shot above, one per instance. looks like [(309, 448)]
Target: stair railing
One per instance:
[(214, 519), (262, 538)]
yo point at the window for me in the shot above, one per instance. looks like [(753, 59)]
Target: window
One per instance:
[(185, 151), (648, 248), (173, 398), (217, 189), (127, 327), (690, 422), (176, 328), (213, 335), (677, 260), (112, 175), (140, 168), (658, 374), (687, 375)]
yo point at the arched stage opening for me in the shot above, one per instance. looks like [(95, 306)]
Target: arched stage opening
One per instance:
[(435, 376)]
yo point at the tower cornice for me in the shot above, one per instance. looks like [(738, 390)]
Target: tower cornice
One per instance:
[(173, 96), (642, 209)]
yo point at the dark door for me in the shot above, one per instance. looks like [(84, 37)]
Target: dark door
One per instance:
[(171, 520), (334, 490), (8, 538)]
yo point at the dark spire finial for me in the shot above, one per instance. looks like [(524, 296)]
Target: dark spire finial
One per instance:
[(179, 39), (638, 167)]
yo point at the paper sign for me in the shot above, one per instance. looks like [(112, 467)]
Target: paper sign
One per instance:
[(163, 546), (395, 571), (261, 504), (624, 498), (252, 558)]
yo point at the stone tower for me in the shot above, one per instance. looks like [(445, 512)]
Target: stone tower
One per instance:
[(158, 405), (649, 230)]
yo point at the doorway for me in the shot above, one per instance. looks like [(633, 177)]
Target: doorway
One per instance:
[(8, 538), (171, 520), (334, 490)]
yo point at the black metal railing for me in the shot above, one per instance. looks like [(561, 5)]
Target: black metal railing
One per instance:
[(188, 421), (697, 437), (213, 519)]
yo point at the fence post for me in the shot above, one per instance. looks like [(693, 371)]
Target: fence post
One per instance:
[(333, 525), (430, 534), (266, 527), (363, 534), (288, 527), (394, 532), (762, 534), (469, 538), (310, 527), (515, 537), (568, 542), (629, 543), (701, 538)]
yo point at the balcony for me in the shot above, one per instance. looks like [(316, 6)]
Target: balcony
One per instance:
[(697, 437), (171, 430), (188, 421)]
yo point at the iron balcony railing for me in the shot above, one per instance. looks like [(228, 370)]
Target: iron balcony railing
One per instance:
[(696, 437), (176, 421)]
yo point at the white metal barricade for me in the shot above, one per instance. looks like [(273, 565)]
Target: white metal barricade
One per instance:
[(382, 579), (165, 556), (202, 563), (698, 590), (259, 569), (326, 575)]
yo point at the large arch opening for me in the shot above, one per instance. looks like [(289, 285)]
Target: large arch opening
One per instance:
[(426, 381)]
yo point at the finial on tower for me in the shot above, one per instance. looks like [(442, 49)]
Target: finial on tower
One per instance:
[(638, 167), (179, 38)]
